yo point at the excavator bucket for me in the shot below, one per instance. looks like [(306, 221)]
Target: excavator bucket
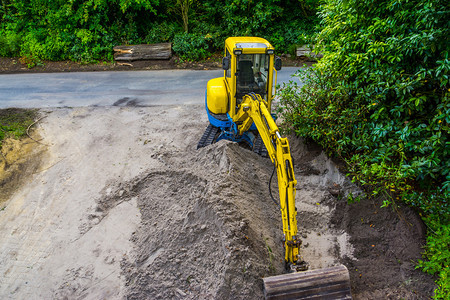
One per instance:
[(329, 283)]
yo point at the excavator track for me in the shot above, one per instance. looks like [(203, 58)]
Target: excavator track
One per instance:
[(211, 133), (209, 136), (259, 147)]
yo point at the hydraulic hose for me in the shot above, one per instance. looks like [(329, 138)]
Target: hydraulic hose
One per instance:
[(270, 189)]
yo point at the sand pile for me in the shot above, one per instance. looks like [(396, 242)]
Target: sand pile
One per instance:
[(209, 229), (207, 226)]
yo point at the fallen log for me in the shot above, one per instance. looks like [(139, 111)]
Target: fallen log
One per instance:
[(308, 52), (143, 52), (329, 283)]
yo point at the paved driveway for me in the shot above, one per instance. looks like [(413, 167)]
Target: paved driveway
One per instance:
[(145, 88)]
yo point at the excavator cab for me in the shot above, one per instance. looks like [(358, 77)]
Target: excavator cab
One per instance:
[(238, 106), (251, 76)]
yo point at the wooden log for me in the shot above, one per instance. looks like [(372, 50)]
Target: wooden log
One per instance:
[(329, 283), (306, 51), (303, 51), (143, 52)]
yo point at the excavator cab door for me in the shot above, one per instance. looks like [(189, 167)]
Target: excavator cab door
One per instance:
[(277, 64), (252, 71), (226, 63)]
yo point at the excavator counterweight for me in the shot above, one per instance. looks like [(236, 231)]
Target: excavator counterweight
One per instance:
[(238, 106)]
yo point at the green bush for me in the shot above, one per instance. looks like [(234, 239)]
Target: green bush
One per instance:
[(438, 256), (162, 33), (379, 99), (191, 46), (286, 37), (87, 30), (9, 43), (78, 30)]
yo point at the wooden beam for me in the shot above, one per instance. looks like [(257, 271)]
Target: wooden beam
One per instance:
[(143, 52), (306, 51)]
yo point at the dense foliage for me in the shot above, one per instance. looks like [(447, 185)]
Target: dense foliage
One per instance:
[(379, 99), (86, 30)]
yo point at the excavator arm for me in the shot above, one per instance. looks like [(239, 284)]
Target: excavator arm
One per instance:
[(327, 283), (253, 109)]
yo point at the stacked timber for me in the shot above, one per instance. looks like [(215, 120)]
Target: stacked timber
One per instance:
[(143, 52), (307, 51)]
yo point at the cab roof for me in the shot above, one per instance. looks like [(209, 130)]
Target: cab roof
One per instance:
[(247, 43)]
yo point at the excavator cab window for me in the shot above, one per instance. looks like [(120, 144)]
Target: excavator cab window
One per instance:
[(251, 75), (228, 71)]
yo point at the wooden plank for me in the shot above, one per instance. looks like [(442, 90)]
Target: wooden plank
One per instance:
[(307, 51), (143, 52), (328, 283), (303, 51)]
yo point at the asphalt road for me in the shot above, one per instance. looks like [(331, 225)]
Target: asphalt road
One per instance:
[(136, 88)]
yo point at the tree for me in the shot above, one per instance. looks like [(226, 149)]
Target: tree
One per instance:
[(183, 8)]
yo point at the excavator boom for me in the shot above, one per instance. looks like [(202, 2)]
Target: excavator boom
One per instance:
[(254, 109), (329, 283)]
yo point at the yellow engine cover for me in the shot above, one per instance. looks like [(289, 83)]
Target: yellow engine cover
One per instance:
[(217, 98)]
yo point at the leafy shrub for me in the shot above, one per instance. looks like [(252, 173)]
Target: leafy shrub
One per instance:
[(162, 33), (286, 37), (191, 46), (87, 30), (9, 43), (380, 99), (438, 255), (77, 30)]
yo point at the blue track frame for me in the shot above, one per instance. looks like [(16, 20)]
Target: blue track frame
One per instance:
[(229, 129)]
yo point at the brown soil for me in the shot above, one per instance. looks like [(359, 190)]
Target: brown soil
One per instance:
[(19, 160), (379, 246), (17, 65), (387, 244)]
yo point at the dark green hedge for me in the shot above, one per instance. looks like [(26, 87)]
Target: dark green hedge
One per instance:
[(379, 99), (86, 30)]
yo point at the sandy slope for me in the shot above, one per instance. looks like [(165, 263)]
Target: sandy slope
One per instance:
[(50, 243)]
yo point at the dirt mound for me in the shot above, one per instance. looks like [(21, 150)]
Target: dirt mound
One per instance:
[(210, 231), (205, 232)]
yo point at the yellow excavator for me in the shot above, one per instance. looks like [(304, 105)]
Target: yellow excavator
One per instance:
[(238, 106)]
